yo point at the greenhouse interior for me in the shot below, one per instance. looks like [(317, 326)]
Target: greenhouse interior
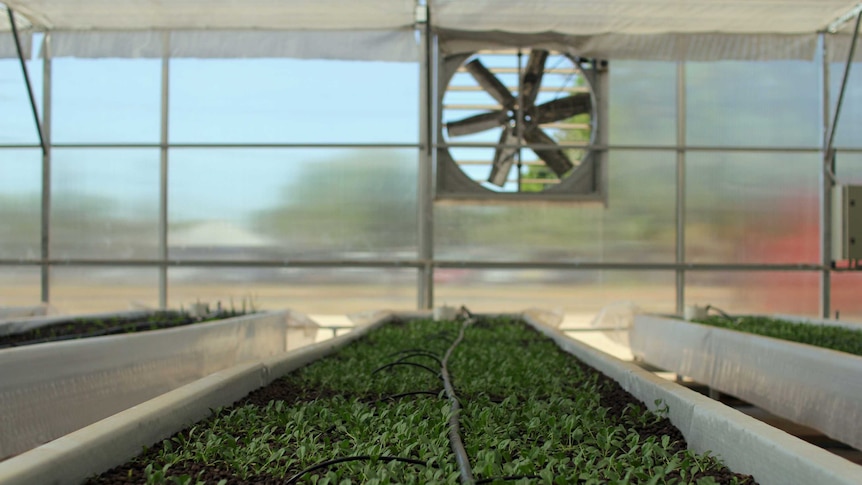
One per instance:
[(258, 239)]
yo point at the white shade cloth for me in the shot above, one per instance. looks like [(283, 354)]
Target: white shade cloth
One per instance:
[(662, 30)]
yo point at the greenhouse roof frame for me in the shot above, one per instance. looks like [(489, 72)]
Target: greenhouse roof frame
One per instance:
[(699, 30), (577, 17)]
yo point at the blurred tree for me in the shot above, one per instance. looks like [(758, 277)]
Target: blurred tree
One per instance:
[(363, 201)]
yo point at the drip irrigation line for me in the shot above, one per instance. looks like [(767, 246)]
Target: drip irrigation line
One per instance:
[(467, 312), (722, 312), (509, 478), (454, 427), (414, 364), (421, 354), (407, 394), (328, 463)]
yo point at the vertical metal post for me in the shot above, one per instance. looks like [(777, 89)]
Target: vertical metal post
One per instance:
[(163, 174), (519, 120), (602, 80), (825, 188), (425, 205), (46, 168), (680, 184)]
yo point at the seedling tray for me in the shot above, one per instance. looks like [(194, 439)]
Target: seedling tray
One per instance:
[(745, 444), (809, 385), (51, 389)]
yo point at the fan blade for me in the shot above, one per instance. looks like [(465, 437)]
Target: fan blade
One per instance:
[(563, 108), (504, 158), (490, 83), (475, 124), (554, 158), (532, 77)]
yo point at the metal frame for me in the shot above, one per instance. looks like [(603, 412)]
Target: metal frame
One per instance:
[(418, 263), (417, 146), (824, 188), (45, 239), (425, 262), (425, 189), (680, 184), (163, 170)]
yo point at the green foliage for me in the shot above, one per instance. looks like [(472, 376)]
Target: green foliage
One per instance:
[(95, 327), (828, 336), (280, 440), (368, 195), (529, 409)]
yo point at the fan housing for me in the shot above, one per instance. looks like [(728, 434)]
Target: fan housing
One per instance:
[(535, 110)]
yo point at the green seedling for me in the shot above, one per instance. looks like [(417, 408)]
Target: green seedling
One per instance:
[(530, 413)]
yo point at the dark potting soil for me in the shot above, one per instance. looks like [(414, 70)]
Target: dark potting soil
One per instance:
[(85, 328), (292, 390)]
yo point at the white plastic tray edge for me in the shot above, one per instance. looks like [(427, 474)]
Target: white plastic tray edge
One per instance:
[(809, 385), (745, 444), (109, 442)]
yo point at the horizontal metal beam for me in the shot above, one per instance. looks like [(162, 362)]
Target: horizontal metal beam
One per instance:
[(691, 148), (497, 107), (666, 148), (215, 263), (157, 145), (542, 89), (417, 263), (514, 70), (473, 107), (606, 266)]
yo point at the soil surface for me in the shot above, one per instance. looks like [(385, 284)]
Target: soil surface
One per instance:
[(292, 390), (85, 328)]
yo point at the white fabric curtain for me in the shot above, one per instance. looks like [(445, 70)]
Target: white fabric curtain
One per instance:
[(838, 47), (656, 47), (7, 45), (395, 46), (598, 17), (663, 30), (660, 30), (216, 14), (7, 41)]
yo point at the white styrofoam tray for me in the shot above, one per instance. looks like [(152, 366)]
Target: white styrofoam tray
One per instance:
[(809, 385), (745, 444), (51, 389)]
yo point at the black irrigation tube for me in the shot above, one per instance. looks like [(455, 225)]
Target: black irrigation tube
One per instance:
[(454, 426), (414, 364), (407, 394), (721, 312), (328, 463), (509, 478)]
